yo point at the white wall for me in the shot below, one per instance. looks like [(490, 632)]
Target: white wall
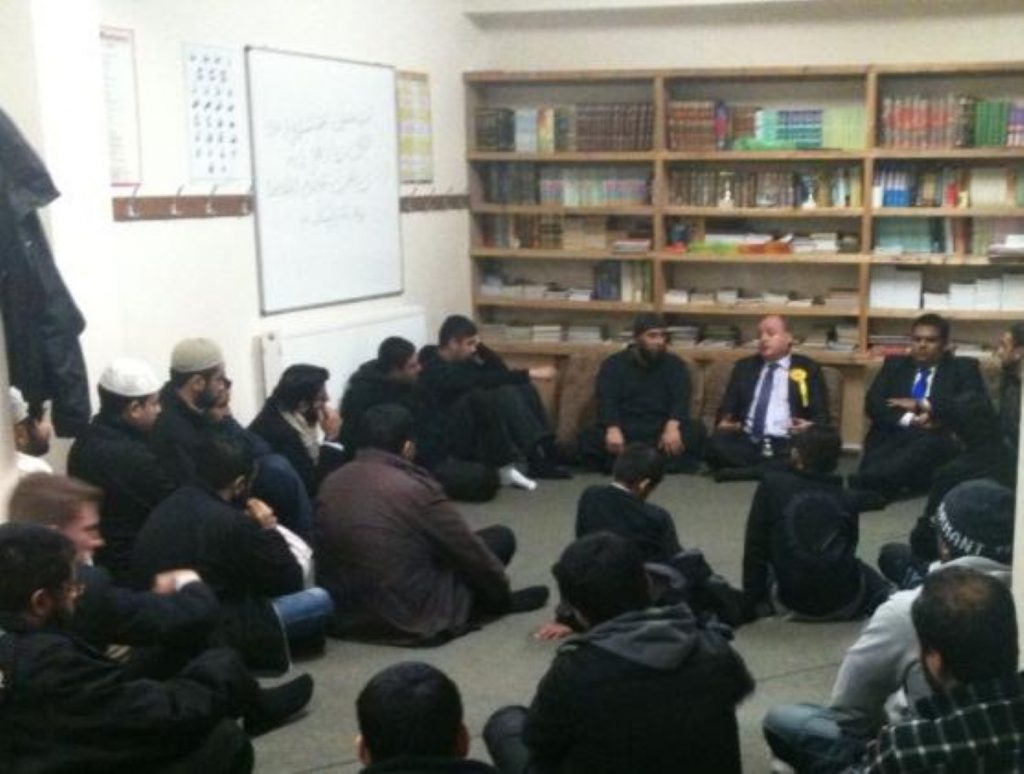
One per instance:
[(726, 35)]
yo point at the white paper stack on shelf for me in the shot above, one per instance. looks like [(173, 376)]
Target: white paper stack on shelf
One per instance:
[(534, 290), (988, 294), (684, 335), (962, 295), (547, 334), (800, 302), (896, 288), (1012, 249), (825, 241), (631, 245), (519, 332), (727, 296), (702, 297), (492, 286), (581, 294), (584, 334), (969, 349), (555, 292), (677, 296), (1013, 292), (512, 290), (775, 298), (935, 301)]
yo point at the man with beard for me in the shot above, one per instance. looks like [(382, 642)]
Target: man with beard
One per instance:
[(113, 454), (770, 396), (643, 395), (64, 707), (32, 431), (393, 377), (196, 406), (1010, 353), (300, 425)]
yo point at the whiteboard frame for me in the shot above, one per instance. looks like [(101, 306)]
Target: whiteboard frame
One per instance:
[(264, 311)]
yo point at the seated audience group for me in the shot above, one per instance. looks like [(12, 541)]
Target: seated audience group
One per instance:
[(185, 556)]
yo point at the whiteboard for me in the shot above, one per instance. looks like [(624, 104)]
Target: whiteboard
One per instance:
[(324, 141), (342, 348)]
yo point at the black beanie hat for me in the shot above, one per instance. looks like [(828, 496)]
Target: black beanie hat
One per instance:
[(646, 322), (976, 519)]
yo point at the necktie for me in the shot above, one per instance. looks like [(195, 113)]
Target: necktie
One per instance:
[(920, 388), (761, 409)]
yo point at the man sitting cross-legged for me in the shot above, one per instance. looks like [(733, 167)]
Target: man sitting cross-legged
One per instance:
[(770, 397), (410, 722), (643, 395), (966, 625), (642, 689), (401, 563), (232, 541), (878, 676), (64, 707), (800, 548)]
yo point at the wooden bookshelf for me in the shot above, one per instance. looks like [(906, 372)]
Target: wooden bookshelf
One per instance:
[(860, 87)]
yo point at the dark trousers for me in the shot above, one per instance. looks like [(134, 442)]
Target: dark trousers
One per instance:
[(276, 483), (503, 736), (226, 750), (595, 456), (473, 482), (736, 449), (500, 540), (497, 426), (903, 460)]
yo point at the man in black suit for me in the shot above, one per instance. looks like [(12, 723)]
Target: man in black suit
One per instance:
[(770, 396), (907, 442)]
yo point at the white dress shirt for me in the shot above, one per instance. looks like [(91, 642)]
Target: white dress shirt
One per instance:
[(778, 419), (908, 416)]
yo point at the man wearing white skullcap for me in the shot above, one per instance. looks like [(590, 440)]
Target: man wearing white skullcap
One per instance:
[(113, 454), (32, 431)]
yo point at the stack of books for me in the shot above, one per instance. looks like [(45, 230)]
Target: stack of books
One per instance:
[(580, 294), (495, 129), (677, 296), (842, 299), (819, 338), (547, 334), (918, 121), (493, 331), (887, 344), (584, 334), (594, 186), (625, 126), (511, 183), (720, 336), (684, 335), (895, 236), (1013, 292), (846, 337), (584, 233)]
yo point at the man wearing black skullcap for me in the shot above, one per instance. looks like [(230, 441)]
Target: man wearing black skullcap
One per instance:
[(643, 395)]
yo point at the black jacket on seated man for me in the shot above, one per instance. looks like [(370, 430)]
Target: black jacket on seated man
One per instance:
[(639, 393), (114, 456), (613, 508), (244, 563), (272, 427), (899, 458), (807, 398)]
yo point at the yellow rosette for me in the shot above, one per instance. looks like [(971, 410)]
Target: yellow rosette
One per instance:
[(799, 375)]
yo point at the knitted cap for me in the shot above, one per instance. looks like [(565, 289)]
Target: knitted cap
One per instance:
[(646, 322), (130, 378), (976, 519), (191, 356), (19, 406)]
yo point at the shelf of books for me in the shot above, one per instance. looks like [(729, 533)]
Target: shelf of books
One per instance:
[(850, 199)]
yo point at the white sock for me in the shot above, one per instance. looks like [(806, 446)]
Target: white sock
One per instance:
[(510, 476)]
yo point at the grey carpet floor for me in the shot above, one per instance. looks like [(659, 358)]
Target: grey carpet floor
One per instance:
[(502, 663)]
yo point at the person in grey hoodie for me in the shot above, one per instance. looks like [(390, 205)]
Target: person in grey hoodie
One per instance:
[(641, 689), (880, 676)]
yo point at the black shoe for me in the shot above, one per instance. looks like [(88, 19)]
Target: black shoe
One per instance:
[(542, 461), (530, 598), (275, 706), (548, 470)]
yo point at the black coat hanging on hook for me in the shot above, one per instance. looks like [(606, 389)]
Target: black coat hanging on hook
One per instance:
[(41, 321)]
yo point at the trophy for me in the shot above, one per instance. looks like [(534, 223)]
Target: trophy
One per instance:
[(808, 184)]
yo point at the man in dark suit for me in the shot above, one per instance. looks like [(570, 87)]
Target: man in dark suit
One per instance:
[(907, 442), (770, 396)]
